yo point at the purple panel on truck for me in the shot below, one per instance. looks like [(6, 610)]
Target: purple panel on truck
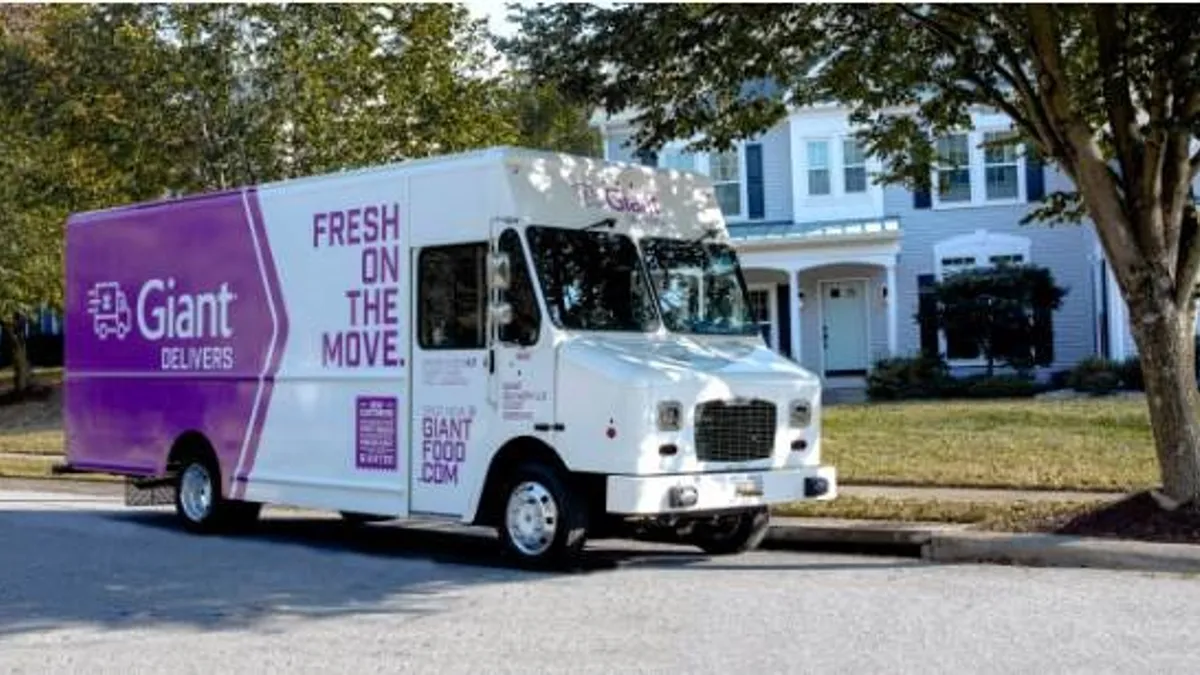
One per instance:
[(174, 324)]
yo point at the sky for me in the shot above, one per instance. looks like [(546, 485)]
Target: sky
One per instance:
[(494, 12)]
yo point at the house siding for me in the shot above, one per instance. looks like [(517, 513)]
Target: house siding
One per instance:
[(1064, 249), (615, 148), (777, 173), (1068, 250)]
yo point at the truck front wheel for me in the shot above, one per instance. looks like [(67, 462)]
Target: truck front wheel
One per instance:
[(543, 522), (732, 534), (198, 500)]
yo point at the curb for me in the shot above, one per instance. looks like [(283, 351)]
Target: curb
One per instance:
[(949, 544)]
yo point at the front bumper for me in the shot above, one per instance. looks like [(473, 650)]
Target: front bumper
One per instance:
[(699, 492)]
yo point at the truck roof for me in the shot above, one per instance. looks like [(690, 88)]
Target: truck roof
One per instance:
[(451, 161)]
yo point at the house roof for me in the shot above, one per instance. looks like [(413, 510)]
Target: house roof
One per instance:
[(785, 231)]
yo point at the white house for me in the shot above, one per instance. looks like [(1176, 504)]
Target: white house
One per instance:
[(837, 264)]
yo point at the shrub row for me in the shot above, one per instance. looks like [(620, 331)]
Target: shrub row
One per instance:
[(924, 377)]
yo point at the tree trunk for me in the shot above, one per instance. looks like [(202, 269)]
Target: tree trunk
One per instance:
[(1165, 339), (22, 377)]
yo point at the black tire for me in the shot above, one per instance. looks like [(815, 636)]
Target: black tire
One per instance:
[(199, 504), (356, 519), (732, 534), (550, 504)]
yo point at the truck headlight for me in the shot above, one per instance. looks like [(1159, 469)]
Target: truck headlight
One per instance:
[(670, 416), (800, 414)]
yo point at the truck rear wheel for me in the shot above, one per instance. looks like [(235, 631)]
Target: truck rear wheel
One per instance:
[(543, 522), (198, 500), (732, 534)]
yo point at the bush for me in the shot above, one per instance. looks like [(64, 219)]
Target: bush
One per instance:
[(998, 386), (1129, 372), (1059, 379), (907, 378), (925, 377), (1096, 375)]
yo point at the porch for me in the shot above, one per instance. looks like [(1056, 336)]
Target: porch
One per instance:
[(825, 295)]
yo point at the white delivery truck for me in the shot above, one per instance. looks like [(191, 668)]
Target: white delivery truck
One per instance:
[(554, 346)]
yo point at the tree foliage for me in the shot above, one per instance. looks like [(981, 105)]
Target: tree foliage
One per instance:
[(1109, 94), (103, 104), (1003, 312)]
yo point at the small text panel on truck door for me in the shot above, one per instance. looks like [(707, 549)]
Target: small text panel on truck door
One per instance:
[(450, 376), (523, 377)]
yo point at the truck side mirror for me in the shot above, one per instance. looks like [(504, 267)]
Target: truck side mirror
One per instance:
[(500, 268), (502, 313)]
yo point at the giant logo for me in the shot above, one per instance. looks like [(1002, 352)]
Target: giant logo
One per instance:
[(616, 198), (162, 313), (165, 313)]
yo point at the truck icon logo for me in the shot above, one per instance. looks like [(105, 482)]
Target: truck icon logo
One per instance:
[(109, 308)]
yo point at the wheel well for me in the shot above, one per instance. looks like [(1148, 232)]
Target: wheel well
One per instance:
[(190, 444), (512, 454)]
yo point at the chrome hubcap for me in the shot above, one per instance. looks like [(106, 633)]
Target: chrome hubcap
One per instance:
[(195, 493), (532, 518)]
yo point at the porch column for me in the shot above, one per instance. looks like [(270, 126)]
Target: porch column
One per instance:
[(891, 308), (794, 306)]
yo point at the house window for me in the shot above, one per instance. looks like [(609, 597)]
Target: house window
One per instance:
[(760, 311), (1000, 167), (680, 161), (854, 166), (450, 284), (725, 171), (1012, 259), (954, 169), (957, 264), (818, 168), (978, 249)]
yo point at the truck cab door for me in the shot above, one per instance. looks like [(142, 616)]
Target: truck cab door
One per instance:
[(522, 358)]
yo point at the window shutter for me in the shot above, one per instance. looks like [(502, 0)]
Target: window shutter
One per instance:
[(1035, 175), (755, 194), (927, 315), (1043, 337), (922, 199), (784, 296)]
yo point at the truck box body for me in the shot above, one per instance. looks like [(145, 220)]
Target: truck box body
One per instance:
[(312, 333)]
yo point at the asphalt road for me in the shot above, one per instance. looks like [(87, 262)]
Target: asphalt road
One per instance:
[(87, 586)]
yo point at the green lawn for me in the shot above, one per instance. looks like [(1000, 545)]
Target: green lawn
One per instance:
[(1084, 444)]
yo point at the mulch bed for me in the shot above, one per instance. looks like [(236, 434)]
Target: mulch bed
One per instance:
[(37, 392), (1136, 517)]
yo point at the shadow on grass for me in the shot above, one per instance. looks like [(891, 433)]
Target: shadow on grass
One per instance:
[(119, 569)]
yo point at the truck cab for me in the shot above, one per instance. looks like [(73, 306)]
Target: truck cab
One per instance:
[(668, 410)]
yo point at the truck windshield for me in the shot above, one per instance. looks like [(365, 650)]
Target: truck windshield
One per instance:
[(699, 286), (593, 280)]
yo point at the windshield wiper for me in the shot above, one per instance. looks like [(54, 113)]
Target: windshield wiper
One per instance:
[(610, 222), (708, 234)]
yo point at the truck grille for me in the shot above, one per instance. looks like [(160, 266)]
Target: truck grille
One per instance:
[(735, 431)]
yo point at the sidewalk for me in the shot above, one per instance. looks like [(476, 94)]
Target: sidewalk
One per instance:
[(958, 544)]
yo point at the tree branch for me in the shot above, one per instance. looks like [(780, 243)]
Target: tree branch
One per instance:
[(1189, 268), (1097, 186), (1122, 116), (988, 93)]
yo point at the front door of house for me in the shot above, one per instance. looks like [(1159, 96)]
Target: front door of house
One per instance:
[(844, 326)]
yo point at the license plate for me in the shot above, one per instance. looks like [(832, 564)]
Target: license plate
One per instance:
[(748, 487)]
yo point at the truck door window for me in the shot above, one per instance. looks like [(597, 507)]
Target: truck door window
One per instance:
[(526, 318), (452, 297)]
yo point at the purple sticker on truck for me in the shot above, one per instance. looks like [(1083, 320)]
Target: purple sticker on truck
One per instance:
[(376, 433), (175, 323)]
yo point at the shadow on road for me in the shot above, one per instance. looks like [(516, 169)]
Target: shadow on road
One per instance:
[(136, 568)]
